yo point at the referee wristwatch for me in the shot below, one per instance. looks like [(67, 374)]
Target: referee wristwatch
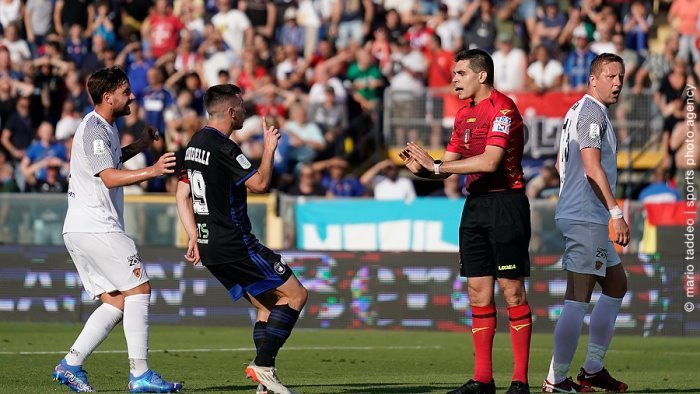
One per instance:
[(436, 166)]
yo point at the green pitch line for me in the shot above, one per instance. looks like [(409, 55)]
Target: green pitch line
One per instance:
[(212, 360)]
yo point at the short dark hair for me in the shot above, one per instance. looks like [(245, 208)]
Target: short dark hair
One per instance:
[(218, 94), (479, 60), (603, 59), (106, 80)]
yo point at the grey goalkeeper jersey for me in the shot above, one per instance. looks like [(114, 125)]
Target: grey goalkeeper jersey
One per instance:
[(586, 126)]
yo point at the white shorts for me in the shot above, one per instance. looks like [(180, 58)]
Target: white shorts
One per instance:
[(106, 262), (588, 247)]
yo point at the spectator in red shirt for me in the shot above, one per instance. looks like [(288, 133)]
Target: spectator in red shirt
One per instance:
[(161, 29), (487, 144)]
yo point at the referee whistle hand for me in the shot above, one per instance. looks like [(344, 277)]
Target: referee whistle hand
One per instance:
[(622, 232), (165, 165)]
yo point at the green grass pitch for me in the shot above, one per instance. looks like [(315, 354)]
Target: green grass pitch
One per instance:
[(212, 360)]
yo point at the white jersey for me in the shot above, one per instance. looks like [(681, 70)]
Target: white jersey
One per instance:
[(92, 208), (586, 126)]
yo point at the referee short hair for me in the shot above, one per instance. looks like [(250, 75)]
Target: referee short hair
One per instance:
[(218, 94), (479, 60), (603, 59), (106, 80)]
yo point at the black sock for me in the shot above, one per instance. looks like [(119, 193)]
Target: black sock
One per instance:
[(259, 334), (279, 326)]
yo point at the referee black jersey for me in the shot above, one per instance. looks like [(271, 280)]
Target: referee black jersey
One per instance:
[(216, 170)]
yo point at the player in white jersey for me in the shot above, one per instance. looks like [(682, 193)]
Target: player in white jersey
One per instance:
[(106, 258), (587, 165)]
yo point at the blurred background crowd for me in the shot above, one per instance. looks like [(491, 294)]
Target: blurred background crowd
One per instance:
[(320, 70)]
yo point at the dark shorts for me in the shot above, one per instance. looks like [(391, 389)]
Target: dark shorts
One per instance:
[(494, 235), (255, 275)]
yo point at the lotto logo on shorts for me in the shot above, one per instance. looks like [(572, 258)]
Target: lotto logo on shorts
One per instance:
[(133, 260)]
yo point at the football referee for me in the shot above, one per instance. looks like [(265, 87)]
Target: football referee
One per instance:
[(494, 234)]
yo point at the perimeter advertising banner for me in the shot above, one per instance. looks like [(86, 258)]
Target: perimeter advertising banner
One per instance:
[(378, 290), (419, 225)]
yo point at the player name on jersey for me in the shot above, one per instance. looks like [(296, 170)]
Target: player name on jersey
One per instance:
[(198, 155)]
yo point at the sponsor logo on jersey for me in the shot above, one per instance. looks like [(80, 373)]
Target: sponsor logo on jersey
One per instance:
[(243, 161), (98, 147), (501, 125), (594, 131), (133, 260), (505, 111), (471, 120)]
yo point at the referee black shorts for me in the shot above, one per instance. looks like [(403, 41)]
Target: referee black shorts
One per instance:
[(256, 274), (494, 235)]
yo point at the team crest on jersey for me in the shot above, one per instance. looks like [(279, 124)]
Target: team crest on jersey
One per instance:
[(243, 161), (501, 125), (98, 147), (594, 131), (137, 273), (280, 266)]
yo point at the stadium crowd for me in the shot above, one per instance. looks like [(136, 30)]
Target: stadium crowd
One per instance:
[(315, 68)]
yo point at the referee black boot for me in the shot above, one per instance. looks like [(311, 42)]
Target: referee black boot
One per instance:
[(475, 387)]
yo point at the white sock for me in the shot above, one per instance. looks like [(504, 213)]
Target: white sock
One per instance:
[(96, 329), (601, 331), (136, 331), (566, 334)]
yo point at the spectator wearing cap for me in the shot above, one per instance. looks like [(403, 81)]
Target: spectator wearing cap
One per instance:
[(544, 74), (550, 26), (509, 65), (578, 62), (336, 180), (161, 30), (291, 33), (383, 180), (479, 23)]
